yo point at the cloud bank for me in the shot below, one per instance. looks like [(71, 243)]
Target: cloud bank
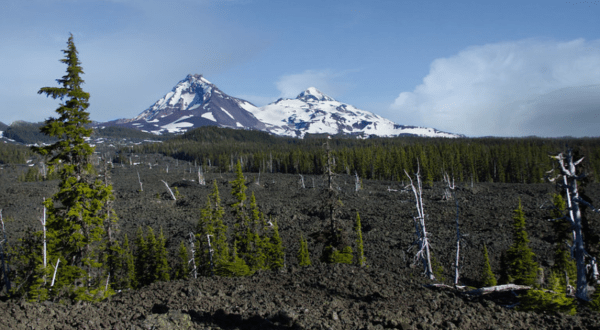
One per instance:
[(520, 88)]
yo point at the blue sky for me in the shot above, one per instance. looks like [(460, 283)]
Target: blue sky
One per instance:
[(502, 68)]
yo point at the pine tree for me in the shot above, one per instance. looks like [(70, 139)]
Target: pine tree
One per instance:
[(162, 263), (211, 225), (129, 265), (235, 267), (274, 253), (141, 255), (76, 213), (552, 300), (183, 269), (360, 249), (303, 254), (488, 277), (564, 265), (152, 260), (519, 266)]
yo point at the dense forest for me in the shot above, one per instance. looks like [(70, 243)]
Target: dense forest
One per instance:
[(14, 154), (508, 160)]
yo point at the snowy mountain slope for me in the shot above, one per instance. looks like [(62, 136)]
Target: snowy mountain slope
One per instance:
[(193, 102), (196, 102), (314, 112)]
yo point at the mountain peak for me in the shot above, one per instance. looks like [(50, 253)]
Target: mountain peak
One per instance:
[(192, 78), (313, 94)]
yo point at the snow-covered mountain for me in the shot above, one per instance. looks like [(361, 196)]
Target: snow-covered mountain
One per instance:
[(193, 102), (315, 113)]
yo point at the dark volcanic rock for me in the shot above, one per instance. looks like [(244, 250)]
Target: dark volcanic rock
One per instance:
[(389, 294)]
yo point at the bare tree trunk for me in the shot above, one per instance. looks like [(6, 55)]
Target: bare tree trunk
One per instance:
[(55, 269), (193, 260), (568, 173), (4, 242), (422, 241), (140, 181), (170, 191)]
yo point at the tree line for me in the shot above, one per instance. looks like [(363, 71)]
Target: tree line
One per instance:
[(506, 160)]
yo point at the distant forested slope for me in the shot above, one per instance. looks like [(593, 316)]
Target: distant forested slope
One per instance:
[(517, 160), (14, 154)]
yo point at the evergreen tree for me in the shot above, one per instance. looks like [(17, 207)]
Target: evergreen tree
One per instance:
[(235, 267), (211, 225), (274, 253), (162, 263), (142, 254), (152, 260), (76, 213), (488, 277), (552, 300), (564, 265), (128, 262), (303, 254), (361, 260), (519, 266), (183, 269), (595, 301)]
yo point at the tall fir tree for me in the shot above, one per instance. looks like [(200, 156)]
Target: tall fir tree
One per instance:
[(488, 278), (182, 270), (564, 265), (360, 249), (211, 226), (162, 263), (128, 264), (141, 256), (519, 266), (274, 251), (77, 212), (303, 254)]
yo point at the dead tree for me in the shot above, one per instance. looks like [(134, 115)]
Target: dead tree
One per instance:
[(452, 188), (422, 242), (140, 181), (170, 191), (357, 183), (3, 243), (569, 184), (302, 181), (201, 179), (193, 259), (43, 222)]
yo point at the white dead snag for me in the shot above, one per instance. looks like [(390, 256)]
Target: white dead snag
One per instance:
[(167, 168), (422, 241), (258, 180), (201, 179), (302, 181), (210, 255), (452, 188), (106, 286), (569, 184), (498, 288), (55, 269), (170, 191), (357, 183), (43, 221), (193, 260), (140, 181), (4, 242)]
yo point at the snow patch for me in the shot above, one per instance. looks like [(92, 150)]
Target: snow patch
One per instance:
[(209, 116)]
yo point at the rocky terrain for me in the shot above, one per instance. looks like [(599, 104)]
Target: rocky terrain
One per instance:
[(390, 293)]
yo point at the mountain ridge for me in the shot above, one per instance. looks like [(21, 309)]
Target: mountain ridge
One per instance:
[(196, 102)]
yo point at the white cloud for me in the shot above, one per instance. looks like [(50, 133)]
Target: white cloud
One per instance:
[(527, 87), (326, 81)]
